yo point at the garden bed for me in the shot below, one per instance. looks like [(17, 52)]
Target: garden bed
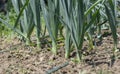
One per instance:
[(17, 58)]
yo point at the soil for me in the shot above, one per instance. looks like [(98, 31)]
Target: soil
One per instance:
[(18, 58)]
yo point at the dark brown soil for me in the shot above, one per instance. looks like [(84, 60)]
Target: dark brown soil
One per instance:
[(17, 58)]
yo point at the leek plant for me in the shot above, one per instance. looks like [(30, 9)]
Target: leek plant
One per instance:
[(74, 17), (111, 14), (13, 27), (31, 16), (50, 14), (35, 6), (28, 12), (26, 22)]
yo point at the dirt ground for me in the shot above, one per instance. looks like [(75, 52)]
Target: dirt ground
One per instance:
[(17, 58)]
